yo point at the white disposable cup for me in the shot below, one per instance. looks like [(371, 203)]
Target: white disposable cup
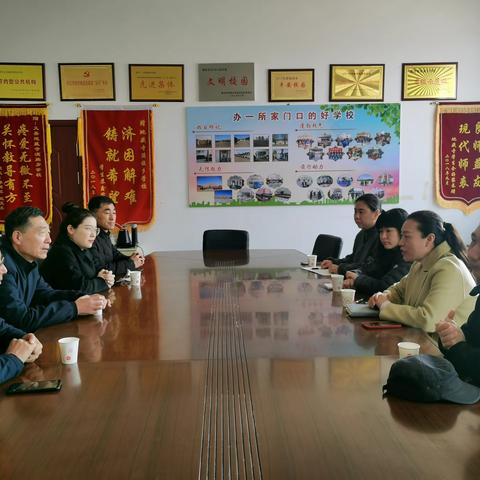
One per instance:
[(99, 312), (312, 260), (408, 349), (348, 296), (69, 349), (135, 276), (337, 282)]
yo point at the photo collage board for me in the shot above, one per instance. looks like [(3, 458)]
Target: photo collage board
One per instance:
[(292, 154)]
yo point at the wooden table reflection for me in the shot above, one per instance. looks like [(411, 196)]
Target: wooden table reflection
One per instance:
[(224, 367), (284, 312)]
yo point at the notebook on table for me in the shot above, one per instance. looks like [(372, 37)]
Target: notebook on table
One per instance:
[(361, 310)]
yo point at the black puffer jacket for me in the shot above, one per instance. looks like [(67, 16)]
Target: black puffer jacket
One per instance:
[(383, 269)]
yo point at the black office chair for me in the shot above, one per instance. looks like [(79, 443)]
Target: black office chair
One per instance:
[(327, 246), (225, 240)]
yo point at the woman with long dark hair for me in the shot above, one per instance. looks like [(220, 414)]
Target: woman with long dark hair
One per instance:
[(438, 280), (387, 265), (69, 264), (366, 212)]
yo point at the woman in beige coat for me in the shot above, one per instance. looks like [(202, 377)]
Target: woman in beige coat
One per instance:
[(438, 280)]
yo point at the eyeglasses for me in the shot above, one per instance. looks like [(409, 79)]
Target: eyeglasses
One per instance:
[(93, 230)]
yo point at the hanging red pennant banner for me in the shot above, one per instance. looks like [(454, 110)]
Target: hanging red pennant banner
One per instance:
[(457, 163), (117, 150), (24, 159)]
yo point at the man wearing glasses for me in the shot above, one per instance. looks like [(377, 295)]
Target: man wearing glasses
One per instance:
[(26, 300)]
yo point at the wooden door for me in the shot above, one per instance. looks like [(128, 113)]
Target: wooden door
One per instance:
[(67, 183)]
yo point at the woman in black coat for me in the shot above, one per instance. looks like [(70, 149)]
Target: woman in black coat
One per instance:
[(69, 264), (366, 213), (386, 266)]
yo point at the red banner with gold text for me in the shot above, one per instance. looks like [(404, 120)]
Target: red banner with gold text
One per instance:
[(24, 159), (117, 150), (457, 162)]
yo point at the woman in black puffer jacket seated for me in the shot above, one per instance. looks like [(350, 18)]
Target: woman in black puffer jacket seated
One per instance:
[(386, 266), (69, 264)]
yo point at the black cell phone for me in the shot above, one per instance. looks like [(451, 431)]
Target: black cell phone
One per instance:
[(35, 387), (304, 264)]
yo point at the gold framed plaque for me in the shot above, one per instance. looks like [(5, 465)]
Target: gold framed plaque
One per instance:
[(86, 81), (429, 81), (22, 81), (357, 83), (291, 85), (155, 82)]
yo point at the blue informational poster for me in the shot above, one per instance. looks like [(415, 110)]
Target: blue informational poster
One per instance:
[(292, 155)]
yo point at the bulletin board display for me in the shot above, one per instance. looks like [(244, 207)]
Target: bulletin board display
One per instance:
[(292, 155)]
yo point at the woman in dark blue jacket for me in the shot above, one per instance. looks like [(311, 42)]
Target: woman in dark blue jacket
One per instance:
[(69, 263)]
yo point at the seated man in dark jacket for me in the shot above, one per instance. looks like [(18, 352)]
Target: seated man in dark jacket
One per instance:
[(18, 346), (17, 351), (105, 255), (473, 254), (26, 300), (461, 345)]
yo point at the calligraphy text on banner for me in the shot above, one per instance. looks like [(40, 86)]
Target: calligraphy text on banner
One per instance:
[(24, 159), (117, 148), (457, 163)]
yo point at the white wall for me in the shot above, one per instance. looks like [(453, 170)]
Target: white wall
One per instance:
[(272, 34)]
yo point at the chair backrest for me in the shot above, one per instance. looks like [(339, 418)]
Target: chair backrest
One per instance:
[(225, 240), (327, 246)]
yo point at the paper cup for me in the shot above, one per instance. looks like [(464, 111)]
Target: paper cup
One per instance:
[(337, 282), (99, 313), (312, 260), (69, 349), (408, 349), (135, 276), (348, 296)]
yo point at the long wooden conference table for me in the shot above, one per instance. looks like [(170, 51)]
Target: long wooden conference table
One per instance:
[(230, 368)]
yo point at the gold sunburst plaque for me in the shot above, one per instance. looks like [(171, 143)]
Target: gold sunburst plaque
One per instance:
[(429, 81), (356, 83)]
